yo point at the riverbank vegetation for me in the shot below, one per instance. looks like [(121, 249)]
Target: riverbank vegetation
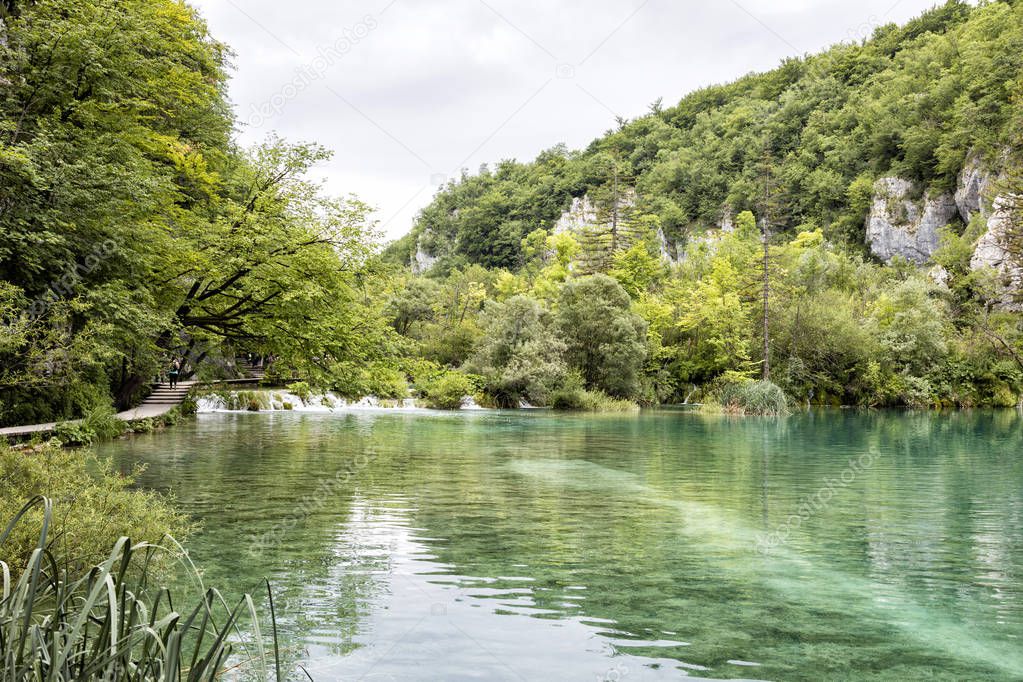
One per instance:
[(713, 251), (95, 505), (133, 229)]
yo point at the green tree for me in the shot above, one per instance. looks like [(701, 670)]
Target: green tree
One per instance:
[(519, 356), (415, 302), (606, 340)]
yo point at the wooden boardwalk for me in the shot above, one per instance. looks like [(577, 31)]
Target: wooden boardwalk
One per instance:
[(162, 400)]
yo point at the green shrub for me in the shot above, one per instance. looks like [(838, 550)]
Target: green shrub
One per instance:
[(754, 398), (448, 390), (74, 433), (146, 425), (573, 396), (104, 422), (301, 390), (519, 356), (1002, 396), (189, 406), (99, 423), (355, 380), (99, 504)]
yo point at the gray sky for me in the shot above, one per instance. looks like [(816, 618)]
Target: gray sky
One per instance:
[(408, 92)]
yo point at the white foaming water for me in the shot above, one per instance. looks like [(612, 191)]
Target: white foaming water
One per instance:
[(469, 403), (284, 401)]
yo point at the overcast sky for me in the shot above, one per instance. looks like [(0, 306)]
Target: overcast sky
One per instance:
[(408, 92)]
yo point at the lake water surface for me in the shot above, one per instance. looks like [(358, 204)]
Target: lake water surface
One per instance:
[(534, 546)]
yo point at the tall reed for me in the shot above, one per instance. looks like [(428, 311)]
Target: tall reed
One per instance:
[(110, 624)]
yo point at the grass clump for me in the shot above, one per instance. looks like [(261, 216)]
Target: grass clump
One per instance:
[(754, 398), (100, 423), (574, 396)]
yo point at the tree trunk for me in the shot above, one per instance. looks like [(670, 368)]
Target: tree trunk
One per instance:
[(127, 390), (766, 373)]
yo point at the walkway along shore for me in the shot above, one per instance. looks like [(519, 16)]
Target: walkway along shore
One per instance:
[(162, 400)]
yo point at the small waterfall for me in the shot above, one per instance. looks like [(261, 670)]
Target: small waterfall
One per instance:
[(285, 401), (469, 403)]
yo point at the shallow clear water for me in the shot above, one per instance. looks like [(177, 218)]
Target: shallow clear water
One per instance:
[(528, 545)]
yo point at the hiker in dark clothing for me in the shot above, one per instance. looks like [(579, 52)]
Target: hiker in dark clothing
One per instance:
[(174, 371)]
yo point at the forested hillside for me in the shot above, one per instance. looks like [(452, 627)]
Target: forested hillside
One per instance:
[(883, 173), (846, 225)]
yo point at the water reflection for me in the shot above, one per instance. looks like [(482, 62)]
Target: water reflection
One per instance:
[(508, 545)]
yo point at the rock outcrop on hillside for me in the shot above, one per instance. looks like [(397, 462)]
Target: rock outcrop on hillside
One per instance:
[(899, 225), (601, 230), (422, 259), (581, 214), (991, 253), (973, 192)]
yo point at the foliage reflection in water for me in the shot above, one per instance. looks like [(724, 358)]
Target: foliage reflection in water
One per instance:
[(532, 545)]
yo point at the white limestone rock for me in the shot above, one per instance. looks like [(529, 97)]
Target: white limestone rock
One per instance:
[(990, 253), (668, 250), (899, 226), (727, 223), (580, 214), (972, 191), (422, 260)]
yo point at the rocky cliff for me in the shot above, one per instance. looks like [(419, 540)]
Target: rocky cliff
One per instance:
[(899, 225), (991, 253)]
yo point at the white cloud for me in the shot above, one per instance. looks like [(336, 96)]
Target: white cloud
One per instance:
[(436, 85)]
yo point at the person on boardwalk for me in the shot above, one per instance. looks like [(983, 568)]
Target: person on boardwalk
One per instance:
[(175, 369)]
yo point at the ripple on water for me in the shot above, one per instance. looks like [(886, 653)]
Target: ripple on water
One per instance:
[(514, 545)]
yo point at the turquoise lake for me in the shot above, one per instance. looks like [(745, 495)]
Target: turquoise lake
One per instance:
[(662, 545)]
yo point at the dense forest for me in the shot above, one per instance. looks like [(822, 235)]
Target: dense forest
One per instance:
[(883, 176), (134, 229), (846, 225)]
